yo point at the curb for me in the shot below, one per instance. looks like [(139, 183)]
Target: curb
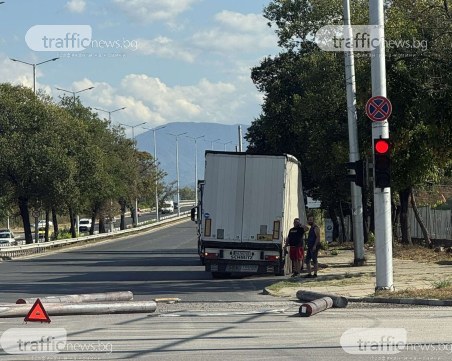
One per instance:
[(403, 301), (398, 301)]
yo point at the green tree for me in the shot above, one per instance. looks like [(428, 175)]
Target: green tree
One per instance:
[(304, 112)]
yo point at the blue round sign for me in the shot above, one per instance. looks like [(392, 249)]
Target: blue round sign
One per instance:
[(378, 108)]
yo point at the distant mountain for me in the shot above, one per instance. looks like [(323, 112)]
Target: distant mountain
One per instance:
[(166, 147)]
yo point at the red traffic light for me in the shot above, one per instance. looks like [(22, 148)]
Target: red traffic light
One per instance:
[(381, 146)]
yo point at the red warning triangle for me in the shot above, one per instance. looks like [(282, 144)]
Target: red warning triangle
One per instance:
[(37, 313)]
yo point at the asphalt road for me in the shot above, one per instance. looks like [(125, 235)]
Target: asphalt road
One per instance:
[(161, 263), (216, 320)]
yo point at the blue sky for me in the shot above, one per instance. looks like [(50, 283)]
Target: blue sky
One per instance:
[(188, 60)]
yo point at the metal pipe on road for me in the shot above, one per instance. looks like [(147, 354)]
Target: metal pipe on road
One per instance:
[(90, 297), (338, 301), (316, 306), (60, 309)]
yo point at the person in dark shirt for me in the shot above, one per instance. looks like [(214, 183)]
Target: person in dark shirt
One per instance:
[(313, 247), (295, 241)]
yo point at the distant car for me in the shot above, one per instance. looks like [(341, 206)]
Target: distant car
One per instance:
[(42, 223), (168, 207), (7, 238), (84, 225)]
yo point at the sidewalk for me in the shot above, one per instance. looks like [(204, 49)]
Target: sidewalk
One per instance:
[(341, 278)]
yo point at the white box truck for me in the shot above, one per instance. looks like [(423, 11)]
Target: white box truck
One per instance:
[(247, 204)]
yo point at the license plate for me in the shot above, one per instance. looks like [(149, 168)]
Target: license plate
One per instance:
[(241, 268), (242, 255)]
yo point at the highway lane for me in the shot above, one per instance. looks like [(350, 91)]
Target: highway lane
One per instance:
[(160, 263)]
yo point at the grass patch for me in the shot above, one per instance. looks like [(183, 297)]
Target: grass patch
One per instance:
[(278, 286), (420, 254), (445, 283), (444, 293), (348, 279)]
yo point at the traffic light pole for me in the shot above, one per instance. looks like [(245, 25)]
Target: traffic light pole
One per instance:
[(356, 196), (382, 196)]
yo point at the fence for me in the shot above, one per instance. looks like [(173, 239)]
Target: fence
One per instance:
[(437, 222)]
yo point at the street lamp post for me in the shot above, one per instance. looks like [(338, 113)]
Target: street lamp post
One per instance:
[(75, 92), (212, 141), (110, 111), (224, 144), (196, 166), (34, 65), (154, 130), (177, 168), (133, 139), (133, 128)]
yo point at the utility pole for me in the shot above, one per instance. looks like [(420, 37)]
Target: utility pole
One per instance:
[(380, 129), (240, 139), (356, 195)]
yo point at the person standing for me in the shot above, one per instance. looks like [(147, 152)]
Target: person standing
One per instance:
[(313, 247), (295, 241)]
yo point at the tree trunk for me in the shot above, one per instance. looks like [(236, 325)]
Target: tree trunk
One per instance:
[(56, 230), (404, 223), (72, 218), (341, 217), (46, 234), (394, 218), (102, 228), (364, 200), (132, 214), (122, 225), (333, 216), (420, 220), (23, 207), (93, 221), (396, 222)]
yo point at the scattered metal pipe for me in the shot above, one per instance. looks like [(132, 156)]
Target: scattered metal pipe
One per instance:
[(59, 309), (338, 301), (90, 297), (316, 306)]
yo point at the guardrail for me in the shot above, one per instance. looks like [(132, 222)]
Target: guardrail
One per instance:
[(10, 252)]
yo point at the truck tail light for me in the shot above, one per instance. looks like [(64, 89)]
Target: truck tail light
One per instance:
[(208, 255), (271, 258)]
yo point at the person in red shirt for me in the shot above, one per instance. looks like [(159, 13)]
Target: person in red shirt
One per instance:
[(295, 241)]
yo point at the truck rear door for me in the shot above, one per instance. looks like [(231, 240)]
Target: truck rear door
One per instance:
[(263, 197)]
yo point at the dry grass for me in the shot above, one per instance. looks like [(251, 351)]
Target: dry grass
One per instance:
[(431, 293), (421, 254)]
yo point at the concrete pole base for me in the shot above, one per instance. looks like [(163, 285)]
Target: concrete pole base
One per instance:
[(60, 309), (90, 297), (316, 306)]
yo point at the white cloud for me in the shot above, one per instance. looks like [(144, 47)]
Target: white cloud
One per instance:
[(236, 32), (154, 10), (76, 6), (204, 101), (252, 23), (164, 47)]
